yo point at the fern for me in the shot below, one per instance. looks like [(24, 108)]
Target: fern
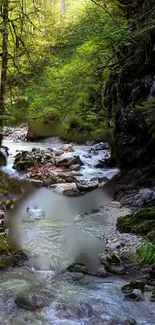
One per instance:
[(145, 253)]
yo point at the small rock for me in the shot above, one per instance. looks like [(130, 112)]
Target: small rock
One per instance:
[(78, 218), (34, 212), (75, 167), (90, 142), (102, 272), (78, 267), (130, 321), (67, 147), (136, 294)]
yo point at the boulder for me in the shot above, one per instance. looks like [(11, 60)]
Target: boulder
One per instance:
[(31, 300), (86, 185), (25, 159), (67, 160), (68, 189)]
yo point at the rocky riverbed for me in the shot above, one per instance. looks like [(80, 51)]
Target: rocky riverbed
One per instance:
[(63, 242)]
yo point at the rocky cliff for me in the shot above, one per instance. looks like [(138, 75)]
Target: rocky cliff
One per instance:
[(128, 98)]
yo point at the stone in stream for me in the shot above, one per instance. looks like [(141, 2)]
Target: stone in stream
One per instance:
[(75, 167), (68, 159), (72, 311), (85, 185), (57, 151), (68, 189), (31, 300), (34, 212), (67, 147), (128, 288), (112, 263), (136, 294), (78, 268)]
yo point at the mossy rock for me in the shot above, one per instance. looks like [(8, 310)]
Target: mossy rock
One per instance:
[(3, 246), (23, 165), (2, 229), (140, 223), (128, 288)]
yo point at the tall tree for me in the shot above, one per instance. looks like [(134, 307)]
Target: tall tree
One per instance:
[(4, 55), (62, 6)]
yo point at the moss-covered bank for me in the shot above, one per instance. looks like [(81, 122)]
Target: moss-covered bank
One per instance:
[(140, 223)]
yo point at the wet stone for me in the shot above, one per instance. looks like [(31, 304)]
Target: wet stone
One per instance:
[(31, 300), (136, 294), (128, 288), (70, 311)]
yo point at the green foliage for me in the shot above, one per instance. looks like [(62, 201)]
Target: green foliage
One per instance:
[(59, 65), (145, 253)]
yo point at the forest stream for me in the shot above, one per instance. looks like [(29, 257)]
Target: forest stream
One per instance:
[(52, 242)]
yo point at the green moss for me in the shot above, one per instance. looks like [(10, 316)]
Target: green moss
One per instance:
[(141, 223), (8, 186), (3, 246), (2, 229), (3, 264)]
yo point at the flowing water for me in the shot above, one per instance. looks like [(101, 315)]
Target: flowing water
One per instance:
[(53, 243)]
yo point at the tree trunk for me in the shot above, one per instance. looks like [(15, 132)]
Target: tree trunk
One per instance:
[(4, 15), (62, 5)]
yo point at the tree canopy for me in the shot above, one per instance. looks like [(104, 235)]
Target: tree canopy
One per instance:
[(62, 55)]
